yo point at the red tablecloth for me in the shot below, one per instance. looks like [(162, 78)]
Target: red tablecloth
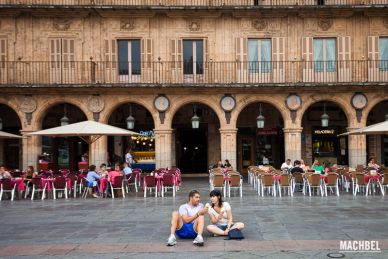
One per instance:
[(19, 183)]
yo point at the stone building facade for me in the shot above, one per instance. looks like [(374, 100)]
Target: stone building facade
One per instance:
[(295, 63)]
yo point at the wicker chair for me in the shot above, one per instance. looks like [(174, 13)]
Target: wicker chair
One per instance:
[(235, 183), (332, 182), (267, 183), (314, 181), (285, 183), (361, 184), (218, 182)]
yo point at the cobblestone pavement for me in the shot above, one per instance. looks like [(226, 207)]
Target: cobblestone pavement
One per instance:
[(137, 227)]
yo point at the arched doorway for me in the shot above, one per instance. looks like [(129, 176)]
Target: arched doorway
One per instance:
[(142, 147), (263, 144), (63, 152), (320, 141), (10, 149), (377, 145), (196, 148)]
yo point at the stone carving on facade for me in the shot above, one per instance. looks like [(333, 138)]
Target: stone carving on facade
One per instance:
[(325, 24), (259, 24), (194, 26), (127, 24), (95, 104), (61, 24), (385, 22), (28, 105)]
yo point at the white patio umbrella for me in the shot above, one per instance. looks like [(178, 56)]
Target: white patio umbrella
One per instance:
[(89, 131), (8, 135), (375, 129)]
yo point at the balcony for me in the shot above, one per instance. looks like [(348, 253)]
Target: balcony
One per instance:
[(221, 74), (170, 4)]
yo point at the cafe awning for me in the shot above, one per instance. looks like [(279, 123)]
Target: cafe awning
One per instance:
[(8, 135), (89, 131), (375, 129)]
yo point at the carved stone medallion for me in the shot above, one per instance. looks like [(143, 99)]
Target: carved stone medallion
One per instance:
[(259, 24), (28, 105), (127, 24), (95, 103), (194, 26), (325, 24), (61, 24)]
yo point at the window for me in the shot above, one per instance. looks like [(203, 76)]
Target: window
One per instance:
[(129, 57), (259, 55), (324, 55), (383, 44), (192, 57), (62, 53)]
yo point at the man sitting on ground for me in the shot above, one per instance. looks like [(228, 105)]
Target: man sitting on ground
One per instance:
[(189, 221)]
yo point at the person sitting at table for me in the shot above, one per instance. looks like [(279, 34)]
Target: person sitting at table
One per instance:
[(92, 178), (102, 172), (327, 167), (297, 168), (372, 164), (116, 172), (4, 174), (127, 170), (85, 157), (304, 165), (30, 172), (227, 164), (221, 216), (286, 166), (318, 167)]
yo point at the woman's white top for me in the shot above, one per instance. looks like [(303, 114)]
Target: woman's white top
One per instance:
[(225, 207)]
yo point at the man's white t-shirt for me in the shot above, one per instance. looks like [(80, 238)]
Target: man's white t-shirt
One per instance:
[(188, 210), (225, 207), (286, 166)]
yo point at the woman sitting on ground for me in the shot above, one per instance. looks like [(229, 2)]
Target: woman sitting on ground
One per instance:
[(221, 216)]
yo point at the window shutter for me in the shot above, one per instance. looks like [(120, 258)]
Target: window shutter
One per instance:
[(307, 56), (344, 59), (278, 58), (176, 61), (110, 64), (373, 57), (68, 53), (241, 59), (206, 57), (3, 52), (146, 53)]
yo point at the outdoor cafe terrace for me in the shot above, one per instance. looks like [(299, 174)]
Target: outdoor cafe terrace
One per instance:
[(221, 73)]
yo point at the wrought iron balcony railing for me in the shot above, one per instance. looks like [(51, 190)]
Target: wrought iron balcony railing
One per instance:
[(189, 73), (188, 3)]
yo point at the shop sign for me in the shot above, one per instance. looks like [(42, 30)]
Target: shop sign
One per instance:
[(272, 131), (149, 133), (324, 132)]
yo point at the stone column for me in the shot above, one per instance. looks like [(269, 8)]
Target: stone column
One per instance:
[(98, 151), (229, 146), (293, 143), (163, 147), (357, 149), (173, 148), (31, 148)]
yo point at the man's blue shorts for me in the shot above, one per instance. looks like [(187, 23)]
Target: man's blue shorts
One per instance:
[(186, 231)]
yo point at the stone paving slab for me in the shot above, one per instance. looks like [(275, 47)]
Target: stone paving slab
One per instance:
[(137, 227)]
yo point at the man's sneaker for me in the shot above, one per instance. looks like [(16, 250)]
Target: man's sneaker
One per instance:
[(198, 241), (95, 195), (171, 241)]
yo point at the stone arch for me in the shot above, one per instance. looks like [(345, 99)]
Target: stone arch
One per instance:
[(373, 102), (41, 112), (211, 102), (109, 109), (343, 103), (15, 107), (246, 101)]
